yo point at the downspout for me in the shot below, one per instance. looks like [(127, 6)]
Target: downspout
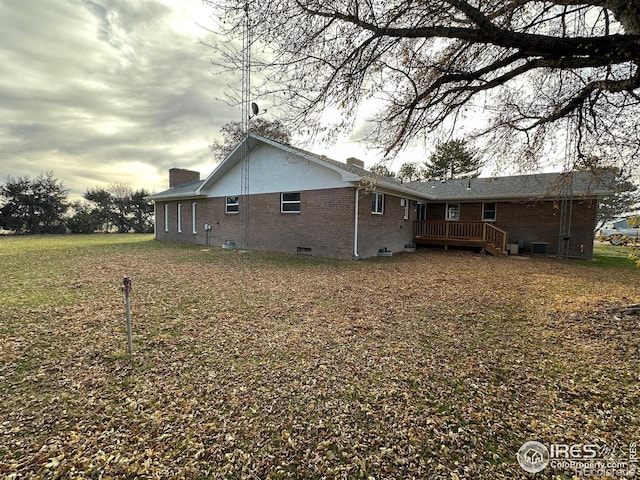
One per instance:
[(355, 225), (155, 220)]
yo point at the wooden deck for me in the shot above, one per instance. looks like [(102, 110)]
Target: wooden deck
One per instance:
[(464, 234)]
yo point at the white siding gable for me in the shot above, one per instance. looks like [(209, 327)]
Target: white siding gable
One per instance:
[(274, 170)]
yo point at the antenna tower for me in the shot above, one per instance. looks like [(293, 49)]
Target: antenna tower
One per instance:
[(244, 158)]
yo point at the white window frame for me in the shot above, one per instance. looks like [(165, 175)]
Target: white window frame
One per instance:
[(236, 205), (495, 212), (405, 204), (284, 202), (449, 212), (179, 221), (166, 217), (194, 229), (377, 203)]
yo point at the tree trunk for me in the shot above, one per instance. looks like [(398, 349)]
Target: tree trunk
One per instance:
[(627, 13)]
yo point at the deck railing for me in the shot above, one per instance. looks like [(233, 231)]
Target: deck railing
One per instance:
[(496, 236), (474, 231)]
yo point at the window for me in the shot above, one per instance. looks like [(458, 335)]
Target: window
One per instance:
[(404, 202), (453, 211), (166, 217), (489, 212), (179, 218), (377, 203), (290, 202), (193, 218), (232, 205)]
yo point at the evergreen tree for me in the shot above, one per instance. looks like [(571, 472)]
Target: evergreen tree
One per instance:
[(34, 206), (381, 169), (83, 219), (121, 211), (122, 208), (453, 159), (102, 201), (410, 172), (142, 212), (623, 201)]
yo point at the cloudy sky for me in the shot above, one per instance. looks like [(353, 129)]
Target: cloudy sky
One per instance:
[(110, 91)]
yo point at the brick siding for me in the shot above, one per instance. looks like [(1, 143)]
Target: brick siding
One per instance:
[(389, 230), (540, 222), (534, 221), (324, 224)]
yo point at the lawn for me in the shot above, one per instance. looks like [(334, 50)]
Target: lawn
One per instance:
[(255, 365), (610, 255)]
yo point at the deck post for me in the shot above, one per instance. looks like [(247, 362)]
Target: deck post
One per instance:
[(446, 236)]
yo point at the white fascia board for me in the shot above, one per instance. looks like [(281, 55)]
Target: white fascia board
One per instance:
[(404, 192), (175, 196)]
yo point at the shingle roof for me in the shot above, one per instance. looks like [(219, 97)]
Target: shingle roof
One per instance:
[(180, 191), (521, 187), (526, 187)]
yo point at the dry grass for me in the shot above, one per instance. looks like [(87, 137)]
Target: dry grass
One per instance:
[(254, 365)]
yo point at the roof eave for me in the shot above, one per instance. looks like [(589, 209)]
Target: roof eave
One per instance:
[(520, 198), (396, 189), (175, 196)]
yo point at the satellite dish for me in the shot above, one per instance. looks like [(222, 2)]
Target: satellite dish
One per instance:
[(254, 108)]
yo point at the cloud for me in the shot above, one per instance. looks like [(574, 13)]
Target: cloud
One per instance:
[(106, 91)]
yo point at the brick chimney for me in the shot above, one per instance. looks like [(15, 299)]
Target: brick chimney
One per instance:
[(355, 162), (179, 176)]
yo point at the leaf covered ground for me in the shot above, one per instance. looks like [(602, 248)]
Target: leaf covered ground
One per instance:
[(266, 366)]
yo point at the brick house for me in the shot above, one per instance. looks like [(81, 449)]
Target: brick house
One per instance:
[(287, 199), (547, 213)]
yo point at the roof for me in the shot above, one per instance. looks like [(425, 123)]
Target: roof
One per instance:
[(349, 173), (519, 187), (186, 190), (522, 187)]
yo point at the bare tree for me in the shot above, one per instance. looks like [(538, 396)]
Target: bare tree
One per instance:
[(523, 70), (232, 135)]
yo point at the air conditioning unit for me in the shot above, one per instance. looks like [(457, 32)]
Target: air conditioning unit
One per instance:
[(540, 248)]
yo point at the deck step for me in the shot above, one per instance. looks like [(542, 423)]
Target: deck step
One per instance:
[(495, 251)]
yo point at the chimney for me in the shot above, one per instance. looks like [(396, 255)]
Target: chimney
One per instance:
[(355, 162), (180, 176)]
